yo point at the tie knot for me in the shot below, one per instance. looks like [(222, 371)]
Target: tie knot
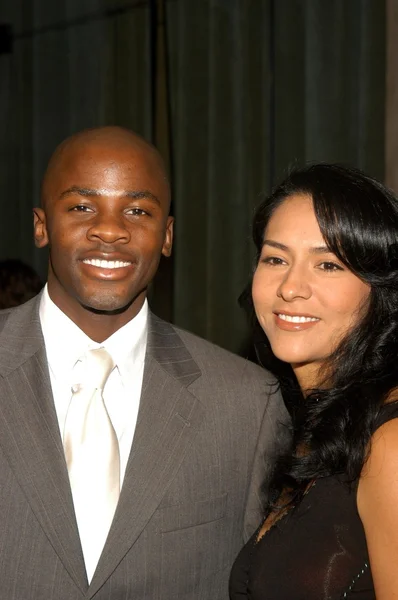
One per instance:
[(98, 366)]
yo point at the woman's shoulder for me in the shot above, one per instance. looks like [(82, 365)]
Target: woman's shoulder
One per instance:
[(383, 448), (379, 478), (378, 483), (377, 502)]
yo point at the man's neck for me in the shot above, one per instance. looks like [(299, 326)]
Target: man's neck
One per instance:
[(99, 326)]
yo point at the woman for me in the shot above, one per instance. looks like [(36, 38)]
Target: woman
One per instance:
[(325, 293)]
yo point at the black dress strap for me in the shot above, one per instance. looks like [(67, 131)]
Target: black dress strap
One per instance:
[(387, 412)]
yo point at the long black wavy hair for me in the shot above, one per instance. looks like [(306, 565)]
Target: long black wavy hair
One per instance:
[(358, 219)]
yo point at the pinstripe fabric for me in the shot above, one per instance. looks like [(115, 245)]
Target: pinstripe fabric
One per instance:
[(206, 419)]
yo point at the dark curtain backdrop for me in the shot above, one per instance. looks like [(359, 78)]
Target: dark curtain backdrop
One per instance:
[(257, 86), (74, 64), (243, 89)]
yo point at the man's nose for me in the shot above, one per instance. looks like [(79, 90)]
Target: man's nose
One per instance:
[(295, 284), (109, 229)]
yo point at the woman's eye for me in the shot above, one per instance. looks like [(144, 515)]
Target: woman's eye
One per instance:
[(273, 261), (330, 267)]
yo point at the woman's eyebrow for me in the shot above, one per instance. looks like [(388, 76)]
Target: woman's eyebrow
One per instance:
[(313, 250)]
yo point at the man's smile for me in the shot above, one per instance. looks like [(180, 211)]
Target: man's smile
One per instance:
[(106, 264)]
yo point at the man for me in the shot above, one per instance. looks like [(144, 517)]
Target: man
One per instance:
[(189, 430)]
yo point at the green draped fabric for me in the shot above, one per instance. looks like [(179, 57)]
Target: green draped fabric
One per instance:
[(253, 86), (256, 87)]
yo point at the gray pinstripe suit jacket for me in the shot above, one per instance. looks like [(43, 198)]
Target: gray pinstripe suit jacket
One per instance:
[(207, 431)]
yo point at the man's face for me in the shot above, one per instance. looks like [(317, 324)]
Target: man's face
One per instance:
[(105, 219)]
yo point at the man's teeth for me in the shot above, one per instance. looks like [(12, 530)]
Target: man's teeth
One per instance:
[(296, 319), (106, 264)]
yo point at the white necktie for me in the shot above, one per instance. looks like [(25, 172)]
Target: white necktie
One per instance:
[(92, 455)]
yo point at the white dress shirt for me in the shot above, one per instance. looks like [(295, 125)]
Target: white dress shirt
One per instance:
[(66, 343)]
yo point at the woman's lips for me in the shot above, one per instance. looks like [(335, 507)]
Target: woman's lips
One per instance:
[(295, 322)]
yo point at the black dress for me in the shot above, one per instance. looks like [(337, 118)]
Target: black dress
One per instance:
[(316, 552)]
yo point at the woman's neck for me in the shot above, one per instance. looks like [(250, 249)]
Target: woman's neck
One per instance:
[(307, 376)]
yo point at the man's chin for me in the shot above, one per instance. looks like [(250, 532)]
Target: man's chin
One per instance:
[(108, 305), (107, 308)]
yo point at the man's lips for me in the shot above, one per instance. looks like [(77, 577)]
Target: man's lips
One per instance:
[(107, 266), (106, 263)]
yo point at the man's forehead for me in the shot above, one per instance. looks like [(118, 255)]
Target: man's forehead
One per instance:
[(108, 159), (91, 165), (113, 156)]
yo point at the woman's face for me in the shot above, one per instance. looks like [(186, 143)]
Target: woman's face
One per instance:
[(305, 299)]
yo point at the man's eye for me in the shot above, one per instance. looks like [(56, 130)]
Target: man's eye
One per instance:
[(81, 208), (137, 212)]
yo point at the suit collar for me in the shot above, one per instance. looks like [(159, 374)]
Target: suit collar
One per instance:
[(168, 349), (22, 337)]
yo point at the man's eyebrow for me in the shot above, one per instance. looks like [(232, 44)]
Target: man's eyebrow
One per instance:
[(137, 195), (75, 189), (87, 192), (313, 250)]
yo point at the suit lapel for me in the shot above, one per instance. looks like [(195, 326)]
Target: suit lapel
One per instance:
[(168, 419), (30, 439)]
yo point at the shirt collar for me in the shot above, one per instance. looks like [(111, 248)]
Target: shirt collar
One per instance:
[(63, 338)]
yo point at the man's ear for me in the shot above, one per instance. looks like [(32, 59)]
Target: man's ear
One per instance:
[(168, 238), (39, 228)]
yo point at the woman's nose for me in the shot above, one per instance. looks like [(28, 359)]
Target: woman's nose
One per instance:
[(295, 284)]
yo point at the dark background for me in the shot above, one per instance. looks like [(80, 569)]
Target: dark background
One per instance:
[(231, 91)]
